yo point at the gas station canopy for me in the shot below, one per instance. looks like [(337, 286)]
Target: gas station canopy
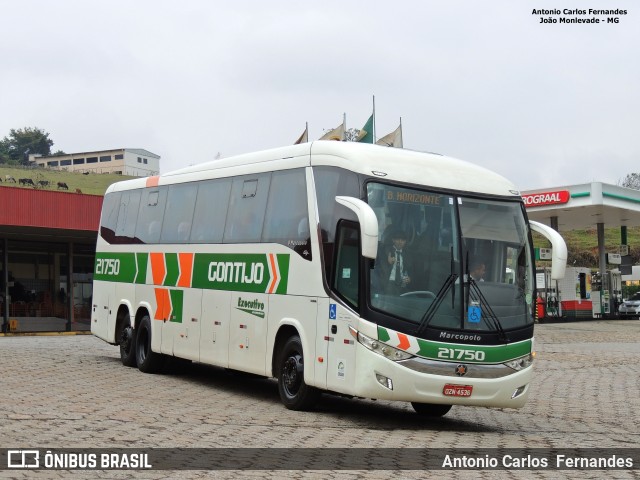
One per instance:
[(579, 207)]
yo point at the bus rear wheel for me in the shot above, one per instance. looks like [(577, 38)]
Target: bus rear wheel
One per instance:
[(148, 360), (430, 409), (127, 343), (294, 392)]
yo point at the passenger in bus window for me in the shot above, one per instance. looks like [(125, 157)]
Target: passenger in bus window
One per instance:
[(477, 270), (394, 265)]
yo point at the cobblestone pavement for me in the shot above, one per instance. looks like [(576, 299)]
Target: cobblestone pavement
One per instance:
[(72, 392)]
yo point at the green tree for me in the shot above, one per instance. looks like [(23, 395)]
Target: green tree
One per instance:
[(351, 135), (16, 147), (631, 180)]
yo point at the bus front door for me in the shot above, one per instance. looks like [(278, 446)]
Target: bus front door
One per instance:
[(341, 352)]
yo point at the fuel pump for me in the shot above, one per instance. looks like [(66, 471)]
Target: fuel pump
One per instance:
[(548, 295), (606, 294)]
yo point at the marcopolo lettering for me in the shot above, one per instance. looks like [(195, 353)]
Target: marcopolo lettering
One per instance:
[(236, 272), (459, 336)]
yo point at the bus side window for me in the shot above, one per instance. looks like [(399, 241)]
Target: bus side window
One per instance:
[(109, 218), (347, 272), (208, 222), (181, 200), (330, 182), (286, 219), (128, 216), (151, 213), (246, 208)]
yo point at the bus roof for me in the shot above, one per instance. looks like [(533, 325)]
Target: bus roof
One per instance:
[(390, 164)]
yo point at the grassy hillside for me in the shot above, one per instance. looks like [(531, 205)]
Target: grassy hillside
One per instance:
[(93, 184), (583, 245)]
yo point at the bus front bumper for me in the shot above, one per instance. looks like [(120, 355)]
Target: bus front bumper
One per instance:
[(381, 378)]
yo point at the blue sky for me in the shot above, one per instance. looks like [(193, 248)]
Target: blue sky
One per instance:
[(542, 104)]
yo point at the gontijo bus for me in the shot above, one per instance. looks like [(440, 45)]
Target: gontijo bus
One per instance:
[(285, 263)]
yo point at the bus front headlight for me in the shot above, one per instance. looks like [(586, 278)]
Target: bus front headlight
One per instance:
[(387, 351), (520, 363)]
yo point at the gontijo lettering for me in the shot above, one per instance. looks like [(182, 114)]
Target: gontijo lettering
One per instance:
[(236, 272)]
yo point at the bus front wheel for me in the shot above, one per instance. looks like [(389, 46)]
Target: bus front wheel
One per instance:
[(430, 409), (294, 392), (148, 361), (127, 343)]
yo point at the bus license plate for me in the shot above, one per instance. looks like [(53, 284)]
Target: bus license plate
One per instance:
[(451, 390)]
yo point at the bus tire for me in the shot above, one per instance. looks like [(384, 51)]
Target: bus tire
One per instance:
[(127, 339), (148, 361), (430, 409), (294, 392)]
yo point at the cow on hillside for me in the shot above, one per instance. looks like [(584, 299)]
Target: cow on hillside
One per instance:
[(26, 181), (43, 183), (62, 186), (9, 178)]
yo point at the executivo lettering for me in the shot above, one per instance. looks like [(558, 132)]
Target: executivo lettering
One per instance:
[(253, 307), (253, 304)]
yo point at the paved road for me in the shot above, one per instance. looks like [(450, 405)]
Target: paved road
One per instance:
[(72, 392)]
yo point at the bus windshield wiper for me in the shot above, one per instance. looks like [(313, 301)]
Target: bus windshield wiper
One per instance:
[(428, 315), (476, 295)]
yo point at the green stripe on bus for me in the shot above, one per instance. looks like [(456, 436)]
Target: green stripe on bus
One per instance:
[(177, 302), (383, 335), (173, 269), (248, 272), (458, 352), (283, 265), (115, 267), (141, 263)]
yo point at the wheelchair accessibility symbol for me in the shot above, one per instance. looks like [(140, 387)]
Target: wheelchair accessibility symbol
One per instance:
[(474, 314)]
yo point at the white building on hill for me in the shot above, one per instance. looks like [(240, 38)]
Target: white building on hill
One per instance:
[(136, 162)]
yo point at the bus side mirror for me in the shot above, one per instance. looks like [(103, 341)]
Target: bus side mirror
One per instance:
[(558, 248), (368, 224)]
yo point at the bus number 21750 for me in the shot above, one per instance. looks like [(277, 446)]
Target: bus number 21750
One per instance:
[(461, 354), (107, 266)]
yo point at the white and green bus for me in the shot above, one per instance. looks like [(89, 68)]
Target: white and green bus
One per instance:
[(333, 267)]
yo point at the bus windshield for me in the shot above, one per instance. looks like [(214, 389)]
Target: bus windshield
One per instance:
[(450, 262)]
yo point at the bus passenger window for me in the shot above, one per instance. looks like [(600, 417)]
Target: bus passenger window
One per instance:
[(180, 202), (109, 217), (286, 218), (128, 215), (347, 272), (246, 208), (208, 223), (151, 213)]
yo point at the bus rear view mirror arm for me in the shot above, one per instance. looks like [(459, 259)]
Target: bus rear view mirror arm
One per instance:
[(558, 248), (368, 224)]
